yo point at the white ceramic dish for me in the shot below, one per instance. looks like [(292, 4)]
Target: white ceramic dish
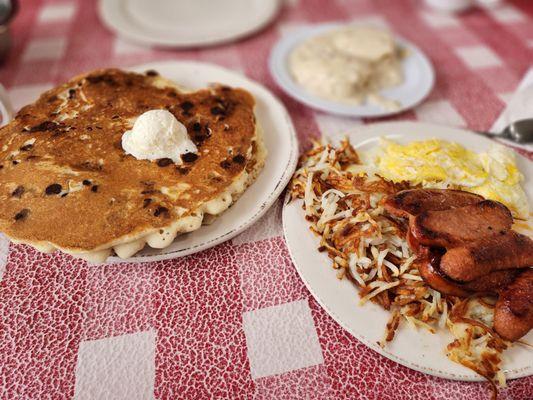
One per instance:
[(186, 23), (6, 108), (418, 72), (281, 143), (419, 350)]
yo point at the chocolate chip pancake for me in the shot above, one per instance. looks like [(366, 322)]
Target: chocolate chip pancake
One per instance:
[(66, 183)]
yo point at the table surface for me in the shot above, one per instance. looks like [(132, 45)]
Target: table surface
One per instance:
[(234, 321)]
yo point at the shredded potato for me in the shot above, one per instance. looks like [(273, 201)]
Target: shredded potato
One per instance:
[(343, 204)]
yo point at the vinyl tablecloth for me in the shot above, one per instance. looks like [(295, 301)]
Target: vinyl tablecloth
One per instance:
[(234, 321)]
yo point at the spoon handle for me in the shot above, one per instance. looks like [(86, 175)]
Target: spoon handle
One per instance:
[(492, 135)]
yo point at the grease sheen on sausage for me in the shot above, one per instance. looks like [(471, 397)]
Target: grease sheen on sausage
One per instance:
[(513, 314), (510, 250)]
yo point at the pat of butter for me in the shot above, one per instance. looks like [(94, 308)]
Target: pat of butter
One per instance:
[(158, 134)]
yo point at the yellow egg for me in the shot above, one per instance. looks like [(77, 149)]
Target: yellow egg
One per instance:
[(431, 161), (438, 163)]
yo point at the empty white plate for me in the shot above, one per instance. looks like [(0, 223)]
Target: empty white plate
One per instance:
[(419, 77), (186, 23)]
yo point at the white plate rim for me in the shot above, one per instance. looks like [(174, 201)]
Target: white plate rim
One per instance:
[(468, 376), (263, 205), (114, 20), (280, 73)]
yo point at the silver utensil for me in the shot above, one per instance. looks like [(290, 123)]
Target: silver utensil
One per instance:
[(8, 9), (520, 131)]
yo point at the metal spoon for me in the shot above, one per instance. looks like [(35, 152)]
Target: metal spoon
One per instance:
[(8, 8), (519, 131)]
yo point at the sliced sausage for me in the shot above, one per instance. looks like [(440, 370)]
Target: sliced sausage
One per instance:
[(455, 227), (513, 314), (493, 282), (415, 201), (429, 268), (510, 250)]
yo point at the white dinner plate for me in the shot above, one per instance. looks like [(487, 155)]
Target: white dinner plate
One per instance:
[(186, 23), (280, 141), (419, 350), (419, 77)]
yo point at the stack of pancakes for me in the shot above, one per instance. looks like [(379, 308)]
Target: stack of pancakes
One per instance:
[(66, 183)]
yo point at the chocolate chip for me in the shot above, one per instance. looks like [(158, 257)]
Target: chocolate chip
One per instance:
[(54, 188), (26, 147), (94, 79), (18, 192), (164, 162), (151, 72), (15, 162), (183, 171), (186, 106), (22, 214), (64, 194), (89, 166), (189, 157), (94, 189), (217, 110), (239, 159), (225, 164), (199, 139), (45, 126), (71, 93), (86, 182), (161, 210), (146, 202), (1, 166), (196, 127)]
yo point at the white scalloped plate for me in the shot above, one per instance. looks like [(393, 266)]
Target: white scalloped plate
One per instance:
[(419, 350), (280, 141), (186, 23), (419, 77)]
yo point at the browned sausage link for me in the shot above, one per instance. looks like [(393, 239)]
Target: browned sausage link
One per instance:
[(414, 201), (414, 245), (493, 282), (429, 268), (511, 250), (454, 227), (429, 271), (513, 315)]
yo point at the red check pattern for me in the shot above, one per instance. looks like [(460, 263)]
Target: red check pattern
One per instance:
[(179, 328)]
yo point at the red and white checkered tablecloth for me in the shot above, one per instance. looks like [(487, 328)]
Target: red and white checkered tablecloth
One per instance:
[(234, 321)]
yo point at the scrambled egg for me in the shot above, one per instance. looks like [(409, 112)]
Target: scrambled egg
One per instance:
[(440, 164)]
